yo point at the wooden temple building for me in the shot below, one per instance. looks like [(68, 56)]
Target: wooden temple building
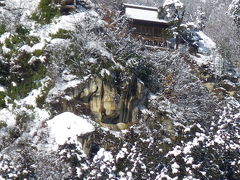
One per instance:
[(2, 2), (145, 24)]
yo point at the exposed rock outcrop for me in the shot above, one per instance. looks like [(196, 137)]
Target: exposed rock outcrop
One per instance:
[(109, 105), (226, 84)]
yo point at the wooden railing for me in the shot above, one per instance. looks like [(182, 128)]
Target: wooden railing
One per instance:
[(151, 39)]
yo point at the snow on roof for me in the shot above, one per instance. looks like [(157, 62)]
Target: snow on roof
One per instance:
[(144, 13), (67, 126), (140, 6)]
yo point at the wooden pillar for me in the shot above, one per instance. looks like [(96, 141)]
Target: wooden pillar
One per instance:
[(177, 41)]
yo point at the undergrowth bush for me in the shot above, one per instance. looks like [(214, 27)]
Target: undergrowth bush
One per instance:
[(47, 11), (27, 76), (38, 52), (2, 124), (2, 101), (21, 30), (15, 41), (2, 29), (62, 34)]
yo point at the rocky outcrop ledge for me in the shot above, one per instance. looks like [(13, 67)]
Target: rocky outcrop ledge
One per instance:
[(111, 106)]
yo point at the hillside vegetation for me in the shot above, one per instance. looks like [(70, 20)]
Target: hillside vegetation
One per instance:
[(80, 98)]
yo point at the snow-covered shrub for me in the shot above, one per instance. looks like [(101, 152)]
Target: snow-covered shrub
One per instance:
[(172, 10), (203, 154), (26, 76), (38, 52), (21, 30), (16, 41), (62, 34), (162, 13), (46, 12), (2, 124), (75, 159), (200, 18), (234, 11), (2, 100), (2, 29)]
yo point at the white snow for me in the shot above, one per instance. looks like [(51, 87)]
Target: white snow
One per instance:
[(4, 36), (121, 153), (66, 76), (8, 117), (27, 6), (37, 46), (14, 84), (143, 13), (31, 98), (201, 59), (92, 60), (105, 72), (104, 155), (2, 89), (176, 3), (206, 41), (64, 82), (25, 48), (233, 8), (187, 148), (176, 151), (175, 168), (27, 105), (68, 22), (189, 160), (60, 87), (5, 50), (99, 46), (67, 126), (139, 6)]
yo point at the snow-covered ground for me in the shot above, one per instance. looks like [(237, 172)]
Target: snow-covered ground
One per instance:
[(67, 126), (206, 43), (67, 22)]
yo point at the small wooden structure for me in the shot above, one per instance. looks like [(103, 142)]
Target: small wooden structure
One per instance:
[(2, 3), (68, 6), (146, 25)]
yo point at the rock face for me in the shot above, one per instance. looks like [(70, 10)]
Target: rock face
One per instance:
[(109, 105)]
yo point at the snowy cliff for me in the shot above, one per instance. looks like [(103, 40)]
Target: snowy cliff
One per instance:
[(82, 99)]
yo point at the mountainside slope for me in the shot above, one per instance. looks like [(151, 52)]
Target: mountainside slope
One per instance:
[(81, 99)]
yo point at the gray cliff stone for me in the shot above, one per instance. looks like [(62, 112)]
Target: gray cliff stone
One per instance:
[(109, 105)]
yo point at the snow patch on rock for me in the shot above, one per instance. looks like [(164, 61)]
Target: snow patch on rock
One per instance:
[(8, 117), (67, 126)]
